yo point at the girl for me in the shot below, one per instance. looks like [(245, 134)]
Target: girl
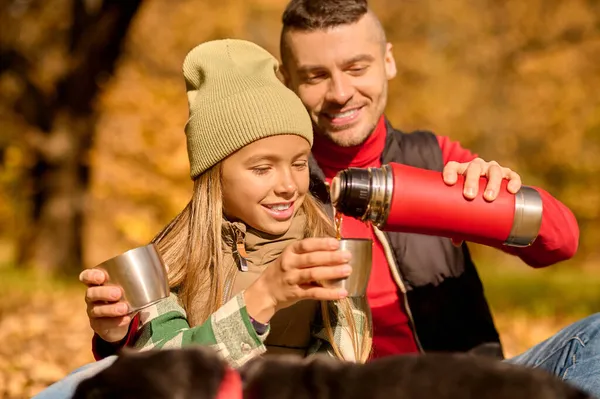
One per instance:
[(240, 255), (247, 254)]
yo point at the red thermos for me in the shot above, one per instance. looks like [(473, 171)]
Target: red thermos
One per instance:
[(403, 198)]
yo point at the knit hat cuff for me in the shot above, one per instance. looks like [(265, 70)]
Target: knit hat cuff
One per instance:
[(240, 119)]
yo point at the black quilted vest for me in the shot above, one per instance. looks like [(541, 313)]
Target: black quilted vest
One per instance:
[(444, 292)]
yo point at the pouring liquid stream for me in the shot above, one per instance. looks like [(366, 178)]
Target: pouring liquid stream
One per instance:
[(337, 224)]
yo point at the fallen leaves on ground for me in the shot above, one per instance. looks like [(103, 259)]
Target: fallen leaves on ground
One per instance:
[(45, 336)]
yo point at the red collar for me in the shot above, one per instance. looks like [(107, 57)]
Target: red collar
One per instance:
[(333, 158), (231, 385)]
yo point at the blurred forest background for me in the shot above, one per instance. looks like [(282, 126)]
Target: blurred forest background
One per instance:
[(93, 159)]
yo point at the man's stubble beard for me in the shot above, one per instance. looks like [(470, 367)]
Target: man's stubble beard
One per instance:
[(355, 140), (345, 140)]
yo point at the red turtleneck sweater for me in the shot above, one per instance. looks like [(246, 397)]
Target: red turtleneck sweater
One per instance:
[(557, 240)]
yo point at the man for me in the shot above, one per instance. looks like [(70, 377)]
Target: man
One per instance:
[(428, 297), (336, 58)]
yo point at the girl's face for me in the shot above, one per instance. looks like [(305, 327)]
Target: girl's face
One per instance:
[(265, 182)]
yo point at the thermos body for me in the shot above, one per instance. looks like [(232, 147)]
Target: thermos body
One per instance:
[(402, 198)]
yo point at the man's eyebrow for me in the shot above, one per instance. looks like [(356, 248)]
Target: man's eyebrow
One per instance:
[(359, 58), (304, 69)]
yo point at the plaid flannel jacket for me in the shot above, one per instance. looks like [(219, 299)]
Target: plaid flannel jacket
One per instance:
[(230, 332)]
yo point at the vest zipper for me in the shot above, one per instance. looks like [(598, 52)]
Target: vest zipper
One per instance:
[(398, 279)]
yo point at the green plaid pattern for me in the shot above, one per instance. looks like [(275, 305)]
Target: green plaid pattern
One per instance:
[(341, 335), (230, 332)]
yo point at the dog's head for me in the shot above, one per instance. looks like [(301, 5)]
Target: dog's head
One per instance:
[(446, 376), (199, 373), (293, 377), (442, 376), (193, 372)]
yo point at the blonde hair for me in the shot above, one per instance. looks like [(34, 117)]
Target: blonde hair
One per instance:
[(197, 271), (319, 225)]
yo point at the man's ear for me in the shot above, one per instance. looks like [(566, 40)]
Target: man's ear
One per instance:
[(389, 62)]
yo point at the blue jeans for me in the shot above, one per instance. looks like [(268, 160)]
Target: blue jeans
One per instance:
[(66, 387), (573, 354)]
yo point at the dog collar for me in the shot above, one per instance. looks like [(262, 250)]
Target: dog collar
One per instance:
[(231, 385)]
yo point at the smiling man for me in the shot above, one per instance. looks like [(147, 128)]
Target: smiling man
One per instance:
[(425, 294), (340, 72)]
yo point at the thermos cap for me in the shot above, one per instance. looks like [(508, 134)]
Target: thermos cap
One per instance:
[(528, 218), (335, 190), (350, 191)]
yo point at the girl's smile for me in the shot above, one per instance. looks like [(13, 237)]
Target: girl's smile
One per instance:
[(282, 211)]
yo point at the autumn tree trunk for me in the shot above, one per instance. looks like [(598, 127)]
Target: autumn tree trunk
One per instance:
[(60, 129)]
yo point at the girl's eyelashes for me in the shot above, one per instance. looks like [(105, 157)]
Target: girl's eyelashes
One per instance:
[(264, 169), (260, 170), (300, 165)]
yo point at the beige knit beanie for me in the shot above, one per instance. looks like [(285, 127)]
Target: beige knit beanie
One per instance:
[(235, 98)]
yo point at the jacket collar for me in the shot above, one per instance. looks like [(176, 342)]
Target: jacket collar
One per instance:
[(319, 188), (260, 249)]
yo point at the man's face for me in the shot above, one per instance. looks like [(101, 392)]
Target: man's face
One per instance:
[(341, 75)]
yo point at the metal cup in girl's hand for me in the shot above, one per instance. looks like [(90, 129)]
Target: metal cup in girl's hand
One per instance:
[(361, 262), (141, 274)]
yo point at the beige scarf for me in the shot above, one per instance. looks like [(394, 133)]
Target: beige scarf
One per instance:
[(252, 252)]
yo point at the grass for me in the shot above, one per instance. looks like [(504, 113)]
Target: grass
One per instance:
[(559, 290), (510, 286), (16, 279), (18, 286), (13, 279)]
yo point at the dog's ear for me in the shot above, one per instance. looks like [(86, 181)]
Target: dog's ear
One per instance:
[(193, 372), (251, 371), (127, 351), (287, 377), (259, 367), (274, 377)]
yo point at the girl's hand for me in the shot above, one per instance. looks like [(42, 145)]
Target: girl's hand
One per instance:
[(108, 317), (295, 275)]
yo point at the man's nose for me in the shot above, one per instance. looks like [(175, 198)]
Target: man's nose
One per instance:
[(340, 89)]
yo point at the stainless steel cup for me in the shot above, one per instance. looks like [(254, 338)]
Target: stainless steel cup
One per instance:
[(141, 274), (361, 262)]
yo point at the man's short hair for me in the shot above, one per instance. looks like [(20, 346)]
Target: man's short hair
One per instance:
[(306, 15), (311, 15)]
